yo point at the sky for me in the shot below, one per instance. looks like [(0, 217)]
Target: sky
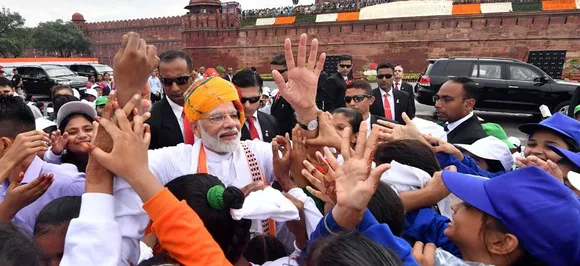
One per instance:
[(35, 11)]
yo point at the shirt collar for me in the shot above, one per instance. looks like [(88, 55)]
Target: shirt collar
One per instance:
[(452, 126), (33, 170), (175, 107)]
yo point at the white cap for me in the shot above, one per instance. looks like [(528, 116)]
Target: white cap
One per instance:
[(266, 91), (515, 141), (430, 128), (94, 86), (491, 148), (274, 92), (76, 93), (574, 179), (42, 123), (92, 92), (75, 107)]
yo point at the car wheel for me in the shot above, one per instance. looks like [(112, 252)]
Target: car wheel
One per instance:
[(562, 108)]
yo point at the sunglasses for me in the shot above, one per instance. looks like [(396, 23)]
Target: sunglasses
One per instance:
[(251, 99), (282, 70), (381, 76), (345, 66), (179, 80), (357, 98)]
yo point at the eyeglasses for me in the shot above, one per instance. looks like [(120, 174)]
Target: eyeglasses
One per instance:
[(387, 76), (179, 80), (356, 98), (251, 99), (220, 118), (345, 66), (446, 99)]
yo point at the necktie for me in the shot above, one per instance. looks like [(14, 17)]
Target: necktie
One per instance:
[(187, 133), (446, 128), (388, 114), (253, 131), (396, 85)]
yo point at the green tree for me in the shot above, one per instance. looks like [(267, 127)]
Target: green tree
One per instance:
[(60, 39), (14, 37)]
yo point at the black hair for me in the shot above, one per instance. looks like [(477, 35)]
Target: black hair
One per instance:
[(170, 55), (15, 117), (4, 82), (262, 248), (347, 250), (67, 119), (278, 60), (573, 145), (80, 163), (253, 68), (386, 65), (16, 248), (231, 235), (469, 87), (387, 208), (354, 116), (247, 78), (59, 87), (60, 100), (361, 84), (494, 166), (345, 57), (56, 213), (410, 152), (105, 73)]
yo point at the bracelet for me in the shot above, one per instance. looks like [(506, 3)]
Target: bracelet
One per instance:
[(336, 234)]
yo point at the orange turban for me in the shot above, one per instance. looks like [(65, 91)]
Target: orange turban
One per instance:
[(205, 95), (210, 72)]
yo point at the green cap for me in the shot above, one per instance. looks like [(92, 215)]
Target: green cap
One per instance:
[(495, 130), (102, 100), (577, 109)]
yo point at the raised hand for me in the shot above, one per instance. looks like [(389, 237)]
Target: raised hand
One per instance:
[(58, 141), (392, 131), (424, 254), (299, 154), (19, 196), (24, 145), (282, 164), (133, 65), (547, 166), (327, 134), (439, 145), (323, 178), (300, 91)]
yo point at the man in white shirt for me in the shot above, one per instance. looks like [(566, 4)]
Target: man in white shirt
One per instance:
[(167, 119), (155, 85), (399, 84)]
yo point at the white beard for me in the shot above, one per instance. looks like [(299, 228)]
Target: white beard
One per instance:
[(214, 143)]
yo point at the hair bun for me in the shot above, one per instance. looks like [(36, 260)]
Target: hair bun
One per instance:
[(233, 198)]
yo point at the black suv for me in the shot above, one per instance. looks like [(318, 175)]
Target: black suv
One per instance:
[(505, 85), (38, 79), (90, 69)]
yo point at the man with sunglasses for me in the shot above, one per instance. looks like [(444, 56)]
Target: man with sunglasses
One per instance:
[(454, 104), (258, 125), (335, 85), (167, 120), (359, 96), (391, 103)]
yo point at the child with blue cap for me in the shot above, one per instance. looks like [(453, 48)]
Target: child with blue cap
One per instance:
[(559, 130), (570, 162)]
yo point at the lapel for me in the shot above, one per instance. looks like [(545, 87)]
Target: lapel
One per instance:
[(460, 129), (245, 132), (378, 100), (169, 124), (265, 127)]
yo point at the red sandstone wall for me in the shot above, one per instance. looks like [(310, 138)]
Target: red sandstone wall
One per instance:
[(406, 41), (164, 33)]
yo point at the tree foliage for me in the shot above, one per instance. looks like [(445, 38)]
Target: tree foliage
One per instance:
[(60, 39), (14, 37)]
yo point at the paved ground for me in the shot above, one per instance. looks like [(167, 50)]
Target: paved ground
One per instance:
[(509, 122)]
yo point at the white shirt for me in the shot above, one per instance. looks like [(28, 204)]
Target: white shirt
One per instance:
[(369, 126), (178, 112), (452, 126), (391, 99), (171, 162), (256, 125), (398, 84)]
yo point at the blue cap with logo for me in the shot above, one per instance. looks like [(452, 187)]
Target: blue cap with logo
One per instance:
[(539, 210), (558, 122)]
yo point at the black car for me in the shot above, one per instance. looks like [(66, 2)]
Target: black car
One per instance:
[(505, 85), (39, 79), (90, 69)]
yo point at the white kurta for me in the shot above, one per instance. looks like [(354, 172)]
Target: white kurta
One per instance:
[(172, 162)]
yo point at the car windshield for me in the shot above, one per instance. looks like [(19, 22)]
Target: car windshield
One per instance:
[(103, 68), (58, 72)]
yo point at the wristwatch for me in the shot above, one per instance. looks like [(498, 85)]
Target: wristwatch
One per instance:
[(312, 125)]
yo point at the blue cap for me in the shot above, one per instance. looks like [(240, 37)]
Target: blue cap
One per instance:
[(558, 122), (539, 210), (571, 156)]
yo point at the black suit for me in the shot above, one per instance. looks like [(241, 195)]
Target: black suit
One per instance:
[(334, 90), (406, 87), (467, 132), (284, 114), (375, 118), (268, 125), (403, 103), (228, 77), (165, 130)]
